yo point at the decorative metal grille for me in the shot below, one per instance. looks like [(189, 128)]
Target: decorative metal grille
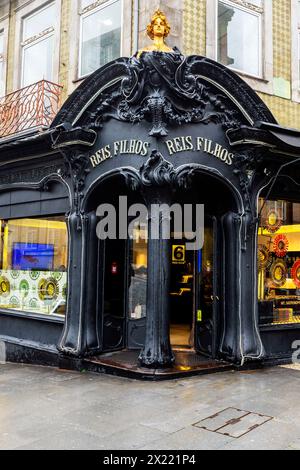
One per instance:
[(31, 107)]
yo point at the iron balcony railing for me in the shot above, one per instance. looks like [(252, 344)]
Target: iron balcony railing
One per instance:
[(34, 106)]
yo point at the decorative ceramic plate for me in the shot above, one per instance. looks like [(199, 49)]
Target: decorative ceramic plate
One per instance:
[(281, 246), (273, 222), (4, 286), (52, 289), (41, 288), (264, 259), (279, 273), (296, 273), (24, 287)]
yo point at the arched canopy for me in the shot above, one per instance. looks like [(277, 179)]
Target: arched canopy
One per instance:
[(192, 89)]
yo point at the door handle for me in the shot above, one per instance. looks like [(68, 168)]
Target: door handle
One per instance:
[(215, 297)]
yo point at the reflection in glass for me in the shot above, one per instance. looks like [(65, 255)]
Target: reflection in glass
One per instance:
[(2, 85), (206, 266), (1, 43), (101, 38), (38, 22), (239, 41), (138, 275), (38, 62)]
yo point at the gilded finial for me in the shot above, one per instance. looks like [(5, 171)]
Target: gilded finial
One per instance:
[(157, 31)]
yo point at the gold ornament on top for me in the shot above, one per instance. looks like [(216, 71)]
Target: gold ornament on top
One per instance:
[(157, 31)]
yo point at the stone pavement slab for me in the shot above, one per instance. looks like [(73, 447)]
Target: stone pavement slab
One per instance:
[(44, 408)]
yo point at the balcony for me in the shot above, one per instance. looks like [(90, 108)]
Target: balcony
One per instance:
[(32, 107)]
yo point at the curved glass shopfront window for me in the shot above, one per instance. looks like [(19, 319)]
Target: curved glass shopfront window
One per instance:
[(33, 265), (279, 263)]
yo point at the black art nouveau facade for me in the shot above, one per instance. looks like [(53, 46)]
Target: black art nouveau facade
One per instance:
[(161, 129)]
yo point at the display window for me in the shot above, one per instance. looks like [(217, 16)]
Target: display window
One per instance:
[(279, 262), (33, 274)]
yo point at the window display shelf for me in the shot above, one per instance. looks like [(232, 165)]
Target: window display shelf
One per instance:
[(280, 326), (59, 319)]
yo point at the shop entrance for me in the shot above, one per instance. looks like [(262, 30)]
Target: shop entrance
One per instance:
[(124, 292), (194, 295), (195, 289), (182, 296), (194, 299)]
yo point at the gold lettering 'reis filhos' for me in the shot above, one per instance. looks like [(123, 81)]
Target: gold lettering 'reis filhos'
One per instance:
[(200, 144), (174, 146), (120, 147)]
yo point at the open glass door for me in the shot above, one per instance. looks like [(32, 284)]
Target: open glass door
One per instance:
[(137, 289), (181, 296), (114, 298), (207, 295)]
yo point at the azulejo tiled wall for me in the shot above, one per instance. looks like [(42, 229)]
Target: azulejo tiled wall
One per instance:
[(194, 27), (285, 110)]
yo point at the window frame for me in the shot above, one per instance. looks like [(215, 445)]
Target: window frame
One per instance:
[(90, 10), (263, 82), (126, 38), (279, 324), (25, 47), (28, 314), (295, 25), (4, 28), (22, 13), (260, 45)]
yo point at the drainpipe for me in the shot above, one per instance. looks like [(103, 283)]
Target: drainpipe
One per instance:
[(136, 20)]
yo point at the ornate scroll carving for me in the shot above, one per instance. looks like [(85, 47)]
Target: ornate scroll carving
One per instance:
[(164, 90)]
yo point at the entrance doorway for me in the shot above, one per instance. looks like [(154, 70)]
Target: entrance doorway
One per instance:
[(194, 294), (124, 294), (195, 284), (182, 296)]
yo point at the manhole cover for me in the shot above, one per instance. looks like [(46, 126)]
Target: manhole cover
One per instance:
[(233, 422)]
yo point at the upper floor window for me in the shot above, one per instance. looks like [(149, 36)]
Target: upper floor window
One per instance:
[(2, 78), (239, 35), (295, 50), (100, 38), (298, 37), (38, 31)]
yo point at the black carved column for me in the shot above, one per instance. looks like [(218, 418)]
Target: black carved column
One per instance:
[(92, 341), (251, 341), (230, 346), (80, 335), (158, 177), (240, 338), (72, 340)]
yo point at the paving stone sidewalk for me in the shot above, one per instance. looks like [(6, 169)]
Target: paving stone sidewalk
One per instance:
[(44, 408)]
